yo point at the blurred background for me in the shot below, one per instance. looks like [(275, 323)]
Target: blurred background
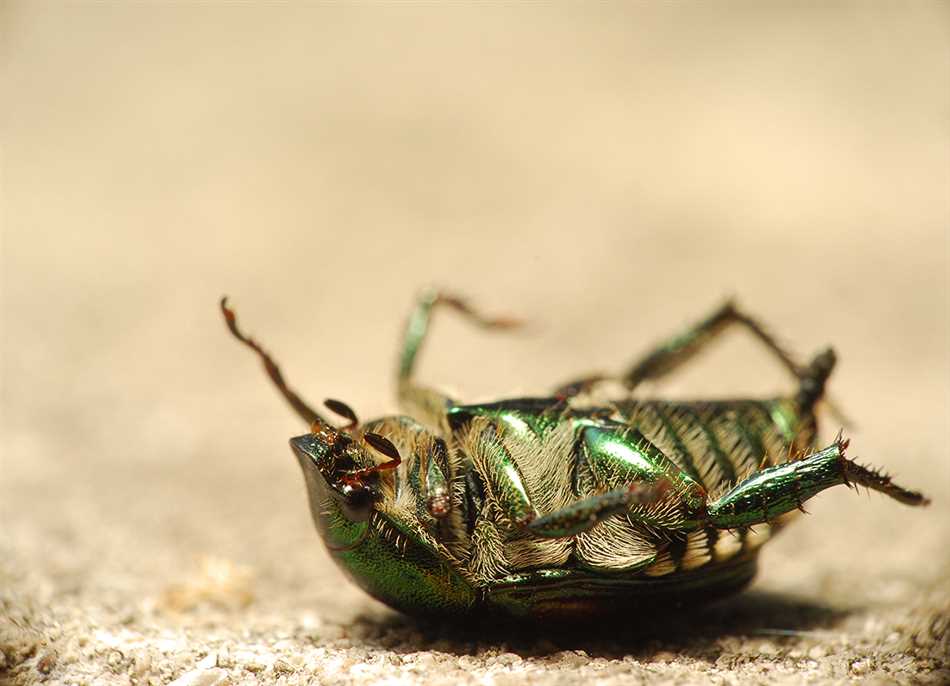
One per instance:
[(609, 173)]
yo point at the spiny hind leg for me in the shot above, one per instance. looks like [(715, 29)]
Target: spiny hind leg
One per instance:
[(675, 351), (426, 403), (774, 491), (679, 349)]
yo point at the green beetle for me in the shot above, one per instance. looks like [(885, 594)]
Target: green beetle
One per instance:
[(565, 506)]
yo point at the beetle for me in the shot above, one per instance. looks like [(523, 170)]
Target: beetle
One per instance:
[(566, 506)]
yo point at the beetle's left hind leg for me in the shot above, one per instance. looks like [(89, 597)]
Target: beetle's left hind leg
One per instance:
[(303, 410), (672, 353), (422, 402), (678, 349), (772, 492)]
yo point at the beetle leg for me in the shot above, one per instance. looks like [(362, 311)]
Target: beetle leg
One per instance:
[(507, 486), (420, 401), (618, 457), (503, 478), (579, 386), (669, 355), (437, 487), (303, 410), (581, 516), (681, 348), (772, 492)]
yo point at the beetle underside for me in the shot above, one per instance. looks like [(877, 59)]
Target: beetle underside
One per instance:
[(487, 547), (566, 505)]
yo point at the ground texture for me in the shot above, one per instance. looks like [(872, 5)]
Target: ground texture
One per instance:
[(607, 175)]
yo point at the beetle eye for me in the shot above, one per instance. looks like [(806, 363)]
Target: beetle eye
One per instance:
[(356, 499)]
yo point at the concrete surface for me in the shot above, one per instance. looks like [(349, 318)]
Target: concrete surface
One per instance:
[(609, 172)]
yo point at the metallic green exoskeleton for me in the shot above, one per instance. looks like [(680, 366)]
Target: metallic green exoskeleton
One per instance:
[(565, 505)]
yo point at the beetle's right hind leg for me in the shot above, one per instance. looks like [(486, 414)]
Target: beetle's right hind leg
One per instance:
[(772, 492), (303, 410), (425, 403)]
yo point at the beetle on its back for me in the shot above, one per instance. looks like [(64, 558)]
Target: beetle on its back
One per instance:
[(561, 505)]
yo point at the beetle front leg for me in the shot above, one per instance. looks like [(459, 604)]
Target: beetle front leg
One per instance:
[(423, 402), (503, 477), (772, 492), (299, 405)]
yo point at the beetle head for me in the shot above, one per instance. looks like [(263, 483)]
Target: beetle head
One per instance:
[(341, 466)]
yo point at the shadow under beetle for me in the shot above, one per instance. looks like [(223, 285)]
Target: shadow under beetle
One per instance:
[(565, 506)]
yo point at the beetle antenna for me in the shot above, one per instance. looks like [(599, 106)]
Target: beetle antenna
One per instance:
[(303, 410), (341, 408), (383, 445)]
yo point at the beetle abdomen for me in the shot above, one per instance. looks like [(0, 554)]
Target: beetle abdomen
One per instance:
[(718, 443), (575, 594)]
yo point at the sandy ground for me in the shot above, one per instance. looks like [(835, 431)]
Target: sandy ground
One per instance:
[(608, 174)]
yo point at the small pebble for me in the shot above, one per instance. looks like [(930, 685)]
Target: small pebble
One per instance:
[(115, 660), (201, 677), (254, 666), (574, 658), (45, 664), (423, 660), (282, 666), (141, 664)]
